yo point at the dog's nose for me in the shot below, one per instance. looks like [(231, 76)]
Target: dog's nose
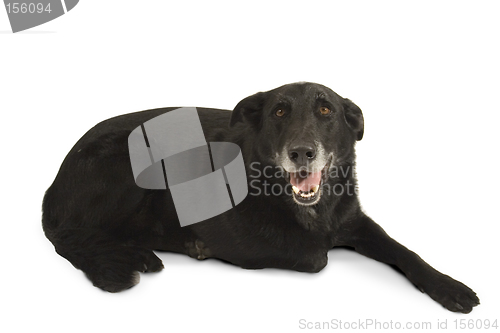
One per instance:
[(302, 154)]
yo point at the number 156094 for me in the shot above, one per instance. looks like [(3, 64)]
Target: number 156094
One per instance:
[(25, 8)]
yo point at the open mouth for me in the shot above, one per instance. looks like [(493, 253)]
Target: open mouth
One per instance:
[(306, 186)]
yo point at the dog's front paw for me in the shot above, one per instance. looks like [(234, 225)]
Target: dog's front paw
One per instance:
[(198, 250), (452, 294)]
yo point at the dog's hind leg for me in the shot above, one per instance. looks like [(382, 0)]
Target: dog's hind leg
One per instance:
[(111, 265)]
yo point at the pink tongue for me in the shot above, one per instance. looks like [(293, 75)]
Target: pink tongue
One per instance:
[(305, 184)]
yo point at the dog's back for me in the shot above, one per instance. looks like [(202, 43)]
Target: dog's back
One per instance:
[(100, 220)]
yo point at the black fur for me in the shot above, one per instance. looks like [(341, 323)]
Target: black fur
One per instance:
[(105, 225)]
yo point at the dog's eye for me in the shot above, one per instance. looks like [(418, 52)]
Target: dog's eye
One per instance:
[(280, 112), (324, 110)]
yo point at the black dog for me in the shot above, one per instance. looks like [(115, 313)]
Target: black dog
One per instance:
[(297, 143)]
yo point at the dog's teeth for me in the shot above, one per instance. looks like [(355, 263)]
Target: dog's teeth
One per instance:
[(315, 188), (295, 189)]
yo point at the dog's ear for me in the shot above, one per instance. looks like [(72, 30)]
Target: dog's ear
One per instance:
[(354, 117), (249, 110)]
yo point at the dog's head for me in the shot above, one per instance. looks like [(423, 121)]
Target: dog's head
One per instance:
[(304, 128)]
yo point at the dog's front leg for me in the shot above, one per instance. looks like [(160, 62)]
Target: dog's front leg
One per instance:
[(369, 239)]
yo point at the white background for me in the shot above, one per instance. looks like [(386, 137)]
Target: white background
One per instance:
[(425, 74)]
